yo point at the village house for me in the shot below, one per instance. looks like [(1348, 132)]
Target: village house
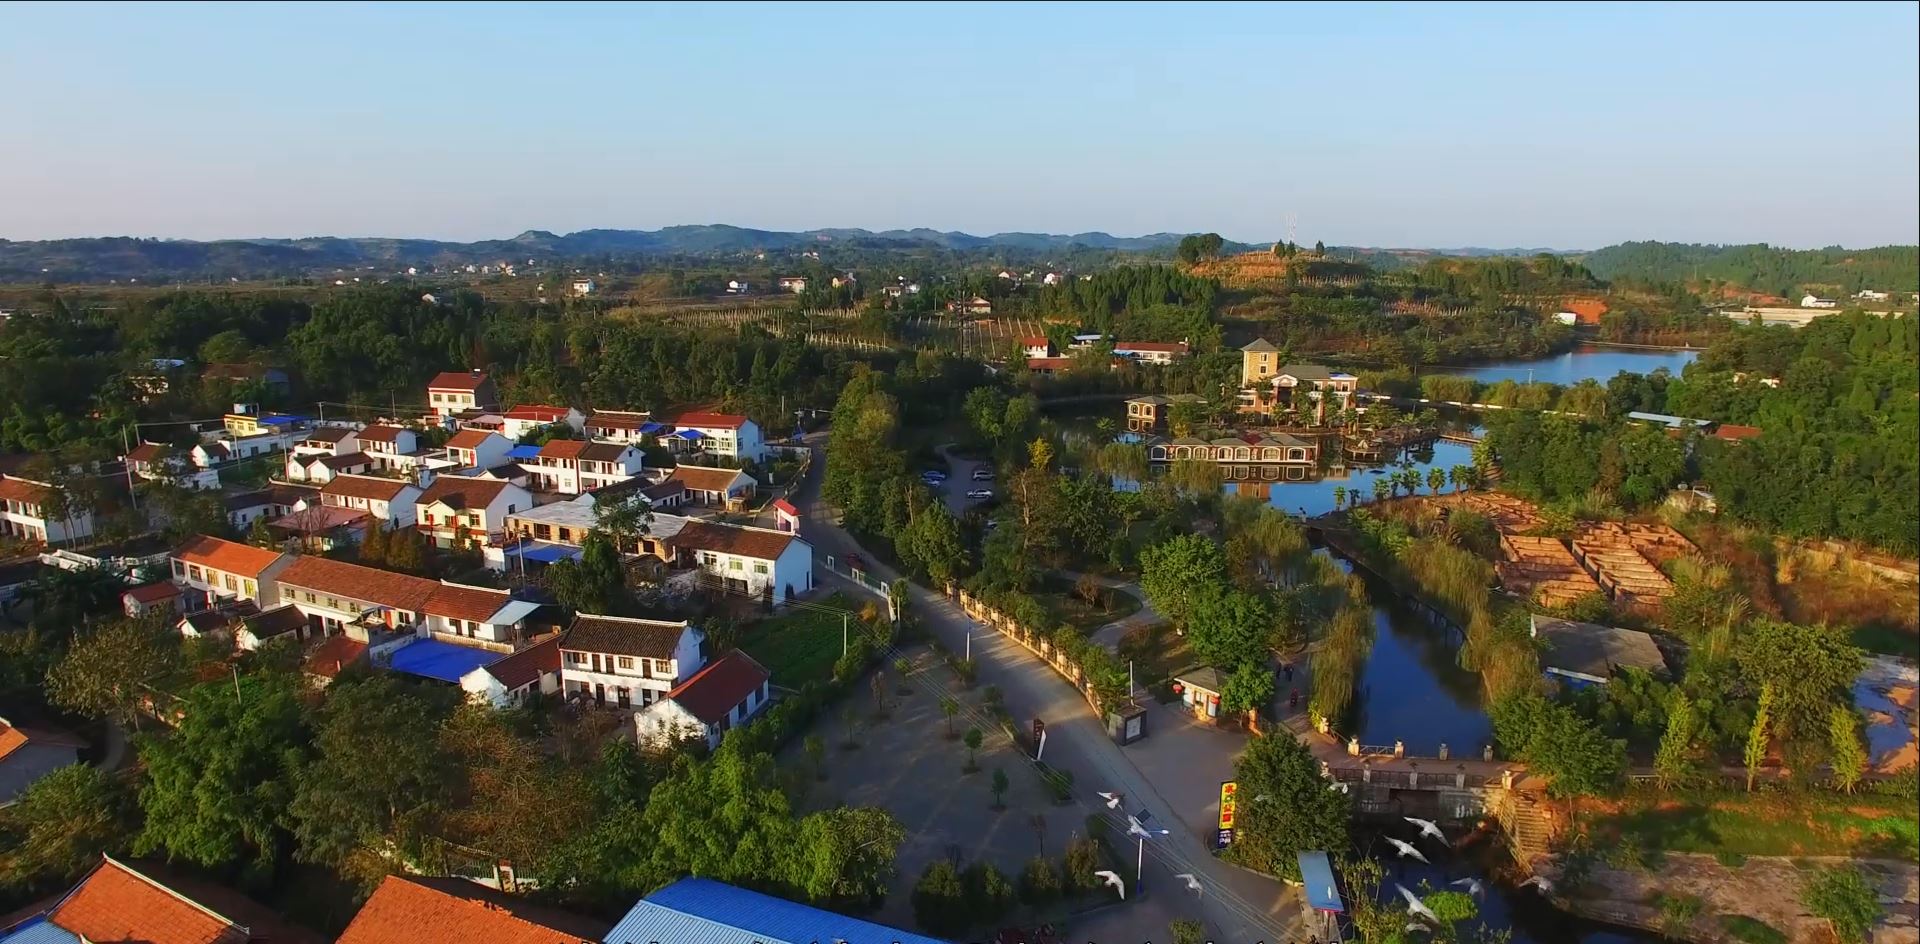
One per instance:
[(785, 516), (707, 485), (246, 422), (336, 596), (623, 426), (518, 678), (703, 911), (1251, 449), (1048, 366), (148, 599), (721, 434), (1259, 361), (456, 509), (1036, 346), (572, 466), (332, 656), (1151, 352), (1269, 387), (29, 753), (1150, 413), (1815, 301), (215, 570), (320, 468), (1582, 654), (412, 909), (282, 622), (623, 662), (453, 391), (158, 462), (478, 448), (972, 306), (526, 418), (151, 903), (390, 502), (751, 561), (581, 287), (793, 283), (390, 448), (245, 508), (723, 695)]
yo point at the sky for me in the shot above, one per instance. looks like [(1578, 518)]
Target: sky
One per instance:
[(1493, 125)]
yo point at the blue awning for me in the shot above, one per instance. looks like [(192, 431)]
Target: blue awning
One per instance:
[(442, 661), (690, 434), (1316, 874), (524, 452), (282, 419), (544, 553), (652, 428)]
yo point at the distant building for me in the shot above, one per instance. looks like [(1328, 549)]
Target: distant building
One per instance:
[(1867, 294), (453, 391), (1567, 317), (1815, 301), (793, 283), (1151, 352), (1036, 346), (1589, 654), (582, 287), (739, 287), (972, 306)]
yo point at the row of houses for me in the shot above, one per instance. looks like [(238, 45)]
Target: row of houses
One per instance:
[(1145, 352), (138, 900)]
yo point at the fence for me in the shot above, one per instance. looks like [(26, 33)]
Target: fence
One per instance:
[(1049, 653)]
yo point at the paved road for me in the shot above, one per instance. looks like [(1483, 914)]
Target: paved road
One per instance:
[(960, 481), (1237, 906)]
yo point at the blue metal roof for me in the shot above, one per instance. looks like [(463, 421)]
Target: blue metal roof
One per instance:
[(652, 427), (524, 452), (444, 661), (1316, 875), (690, 434), (38, 930), (541, 553), (282, 419), (703, 911)]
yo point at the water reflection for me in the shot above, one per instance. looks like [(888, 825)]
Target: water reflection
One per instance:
[(1581, 363), (1308, 492)]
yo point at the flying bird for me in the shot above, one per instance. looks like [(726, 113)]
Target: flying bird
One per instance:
[(1427, 827), (1407, 851), (1114, 880), (1415, 905), (1192, 882), (1113, 800), (1540, 882), (1415, 927), (1134, 828), (1472, 885), (1337, 787)]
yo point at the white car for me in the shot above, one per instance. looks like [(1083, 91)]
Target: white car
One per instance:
[(983, 475), (980, 494)]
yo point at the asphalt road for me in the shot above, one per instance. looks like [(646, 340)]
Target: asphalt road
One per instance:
[(1237, 906)]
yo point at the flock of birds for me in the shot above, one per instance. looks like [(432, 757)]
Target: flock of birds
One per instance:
[(1416, 907)]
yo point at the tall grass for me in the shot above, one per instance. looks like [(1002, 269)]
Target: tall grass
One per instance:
[(1338, 659)]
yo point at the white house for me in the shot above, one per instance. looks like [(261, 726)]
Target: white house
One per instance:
[(518, 678), (1036, 346), (738, 287), (526, 418), (1151, 352), (390, 502), (327, 441), (1815, 301), (24, 513), (336, 596), (622, 426), (390, 447), (221, 570), (282, 622), (722, 434), (572, 466), (155, 462), (724, 695), (478, 448), (457, 509), (793, 283), (624, 662), (1567, 317), (582, 287), (1052, 278), (708, 485), (320, 468), (454, 391), (1867, 294), (751, 561)]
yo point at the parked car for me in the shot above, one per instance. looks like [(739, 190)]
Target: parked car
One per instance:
[(932, 477), (983, 474), (980, 494)]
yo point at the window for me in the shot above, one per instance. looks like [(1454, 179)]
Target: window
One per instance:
[(287, 594), (198, 574), (734, 564), (626, 662), (575, 658), (252, 589), (760, 567), (311, 598)]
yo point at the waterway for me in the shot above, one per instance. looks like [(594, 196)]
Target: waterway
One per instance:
[(1586, 362)]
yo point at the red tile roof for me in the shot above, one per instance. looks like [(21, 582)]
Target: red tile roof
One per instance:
[(116, 903), (229, 557), (1036, 341), (146, 452), (370, 487), (700, 420), (458, 380), (1049, 363), (354, 582), (1734, 433), (1587, 311), (327, 659), (716, 689), (538, 412), (528, 664), (761, 543), (469, 439), (460, 491), (1170, 347), (475, 604), (21, 490), (153, 592), (782, 504), (381, 433), (405, 910)]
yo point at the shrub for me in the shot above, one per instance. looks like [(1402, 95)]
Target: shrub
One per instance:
[(1677, 913), (989, 894), (1186, 931), (940, 899), (1080, 862), (1842, 897), (1061, 783), (1039, 881)]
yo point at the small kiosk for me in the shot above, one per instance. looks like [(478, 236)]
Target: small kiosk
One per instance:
[(1323, 896)]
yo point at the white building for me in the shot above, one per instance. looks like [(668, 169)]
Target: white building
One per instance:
[(719, 697), (319, 468), (478, 448), (1036, 346), (750, 561), (223, 571), (582, 287), (24, 514), (526, 418), (389, 502), (390, 448), (1814, 301), (707, 485), (721, 434), (1151, 352), (572, 466), (793, 283), (1567, 317), (336, 596), (1867, 294), (518, 678), (617, 661), (739, 287), (457, 391), (457, 509)]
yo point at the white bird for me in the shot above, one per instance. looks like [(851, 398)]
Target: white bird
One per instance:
[(1415, 905), (1134, 828), (1540, 882), (1472, 885), (1114, 880), (1415, 927), (1113, 800), (1406, 849), (1337, 787), (1427, 827), (1261, 798), (1192, 882)]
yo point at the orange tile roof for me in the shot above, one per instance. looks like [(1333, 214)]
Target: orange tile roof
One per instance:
[(701, 478), (12, 738), (1049, 363), (116, 903), (1587, 311), (476, 604), (1733, 432), (703, 420), (458, 380), (21, 490), (713, 691), (228, 557), (327, 659), (758, 543), (371, 487), (153, 592), (411, 910), (562, 449), (460, 491), (528, 664), (146, 452), (354, 582), (469, 439)]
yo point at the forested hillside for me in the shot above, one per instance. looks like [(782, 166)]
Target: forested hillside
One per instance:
[(1760, 267)]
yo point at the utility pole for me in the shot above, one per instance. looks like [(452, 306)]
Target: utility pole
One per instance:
[(843, 634)]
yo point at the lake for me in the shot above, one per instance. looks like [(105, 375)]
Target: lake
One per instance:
[(1313, 493), (1585, 362)]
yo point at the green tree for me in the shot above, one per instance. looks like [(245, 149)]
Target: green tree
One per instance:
[(1187, 930), (111, 672), (1177, 573), (948, 708), (999, 789), (220, 788), (594, 583), (1248, 688), (1228, 627), (1845, 900), (1757, 735), (624, 520), (931, 544), (972, 740), (1558, 742), (57, 828), (1809, 668), (1674, 763), (940, 899), (1300, 813), (845, 855), (379, 778), (989, 893), (986, 409), (1039, 881), (1436, 479), (816, 748), (1847, 754)]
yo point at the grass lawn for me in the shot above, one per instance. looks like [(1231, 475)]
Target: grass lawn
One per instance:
[(799, 646), (1064, 605), (1769, 823)]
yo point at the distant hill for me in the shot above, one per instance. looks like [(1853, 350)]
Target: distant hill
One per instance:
[(1761, 268), (126, 257)]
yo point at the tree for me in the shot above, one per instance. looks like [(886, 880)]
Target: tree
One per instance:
[(1039, 881), (112, 672), (1560, 743), (1382, 489), (1843, 897), (1809, 668), (816, 748), (595, 582), (931, 544), (57, 828), (515, 800), (220, 787), (948, 708), (940, 900), (379, 778), (1847, 754), (624, 520), (989, 894), (1339, 497), (1176, 573), (1199, 247), (1249, 688), (1436, 479), (1756, 750), (1319, 248), (1674, 763), (845, 855), (1300, 813), (986, 409), (972, 740), (999, 789), (1229, 627)]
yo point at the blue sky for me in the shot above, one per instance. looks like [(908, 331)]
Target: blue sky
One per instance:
[(1506, 125)]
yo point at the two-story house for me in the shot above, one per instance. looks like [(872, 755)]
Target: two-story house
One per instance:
[(458, 510), (572, 466), (721, 434), (30, 510), (327, 441), (215, 571), (1036, 346), (623, 426), (1310, 390), (1151, 352), (623, 662), (390, 502), (751, 561), (457, 391), (391, 448), (706, 485), (725, 694), (337, 596), (526, 418), (319, 468), (478, 448)]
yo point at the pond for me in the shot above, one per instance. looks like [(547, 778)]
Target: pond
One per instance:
[(1310, 492), (1586, 362)]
